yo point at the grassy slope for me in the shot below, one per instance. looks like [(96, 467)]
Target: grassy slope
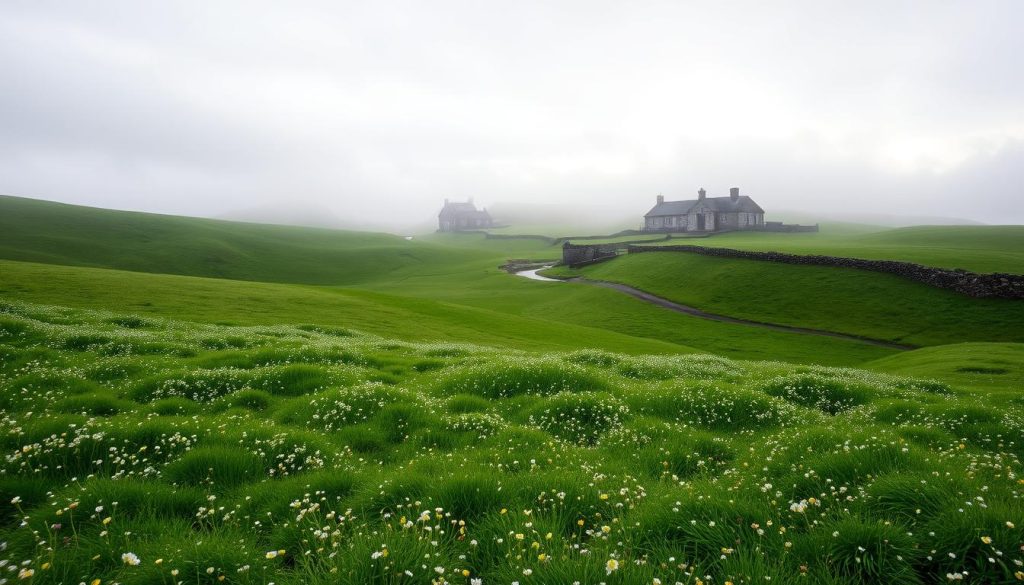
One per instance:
[(985, 366), (53, 233), (846, 300), (249, 303), (976, 248), (499, 310)]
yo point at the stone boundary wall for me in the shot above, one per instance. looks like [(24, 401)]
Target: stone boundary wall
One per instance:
[(996, 285), (580, 255)]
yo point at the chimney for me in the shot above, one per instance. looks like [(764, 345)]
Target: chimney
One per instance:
[(661, 199), (701, 194), (446, 201), (734, 193)]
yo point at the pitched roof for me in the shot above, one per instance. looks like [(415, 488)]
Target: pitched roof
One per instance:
[(462, 208), (743, 204)]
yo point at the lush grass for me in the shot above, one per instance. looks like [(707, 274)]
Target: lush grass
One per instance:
[(868, 304), (975, 248), (989, 366), (310, 454), (246, 303), (491, 309), (53, 233)]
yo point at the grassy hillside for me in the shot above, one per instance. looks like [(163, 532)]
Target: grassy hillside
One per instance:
[(879, 306), (143, 450), (991, 366), (250, 303), (53, 233), (975, 248), (494, 309)]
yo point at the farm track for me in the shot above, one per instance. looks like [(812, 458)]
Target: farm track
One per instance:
[(679, 308)]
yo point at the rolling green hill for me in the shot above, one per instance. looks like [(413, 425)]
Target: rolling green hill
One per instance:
[(498, 310), (975, 248), (449, 285), (54, 233), (880, 306)]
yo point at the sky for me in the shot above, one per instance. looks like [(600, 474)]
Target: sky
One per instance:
[(371, 113)]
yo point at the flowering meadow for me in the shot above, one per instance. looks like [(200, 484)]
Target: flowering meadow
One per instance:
[(139, 450)]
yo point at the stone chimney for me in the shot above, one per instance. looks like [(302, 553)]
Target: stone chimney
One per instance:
[(734, 193), (701, 194), (661, 199), (446, 201)]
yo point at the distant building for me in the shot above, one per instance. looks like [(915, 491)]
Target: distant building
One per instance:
[(456, 216), (705, 214)]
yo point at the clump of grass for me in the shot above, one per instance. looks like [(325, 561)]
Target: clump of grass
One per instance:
[(460, 431), (692, 367), (828, 394), (327, 330), (196, 385), (215, 466), (131, 322), (96, 404), (684, 455), (910, 497), (335, 409), (248, 398), (580, 418), (715, 407), (858, 552), (298, 379), (503, 378), (11, 327), (594, 357), (175, 406), (467, 403)]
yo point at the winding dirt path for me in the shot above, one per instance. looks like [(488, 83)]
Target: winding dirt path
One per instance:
[(674, 306)]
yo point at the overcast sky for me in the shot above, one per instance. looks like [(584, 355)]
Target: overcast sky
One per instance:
[(376, 111)]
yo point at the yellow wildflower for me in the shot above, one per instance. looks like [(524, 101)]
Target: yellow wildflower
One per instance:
[(611, 566)]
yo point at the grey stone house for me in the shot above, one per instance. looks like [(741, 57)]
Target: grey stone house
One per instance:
[(705, 214), (457, 216)]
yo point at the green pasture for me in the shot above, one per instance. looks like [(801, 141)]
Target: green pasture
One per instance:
[(974, 248), (859, 302), (488, 307)]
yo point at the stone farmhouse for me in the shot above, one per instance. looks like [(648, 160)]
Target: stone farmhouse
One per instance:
[(456, 216), (705, 214)]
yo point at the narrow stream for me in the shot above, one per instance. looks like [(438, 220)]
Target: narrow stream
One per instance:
[(532, 274)]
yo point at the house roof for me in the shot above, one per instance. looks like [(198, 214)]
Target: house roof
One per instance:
[(743, 204), (462, 208)]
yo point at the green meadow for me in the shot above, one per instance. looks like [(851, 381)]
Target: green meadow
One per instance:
[(198, 401)]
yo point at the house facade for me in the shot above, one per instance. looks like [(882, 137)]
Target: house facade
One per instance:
[(456, 216), (705, 214)]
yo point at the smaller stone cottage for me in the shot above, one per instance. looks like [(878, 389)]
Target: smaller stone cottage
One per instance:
[(457, 216), (705, 214)]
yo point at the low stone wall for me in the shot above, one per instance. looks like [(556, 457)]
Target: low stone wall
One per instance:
[(580, 255), (998, 285)]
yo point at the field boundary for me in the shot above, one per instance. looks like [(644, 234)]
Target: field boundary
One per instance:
[(972, 284)]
